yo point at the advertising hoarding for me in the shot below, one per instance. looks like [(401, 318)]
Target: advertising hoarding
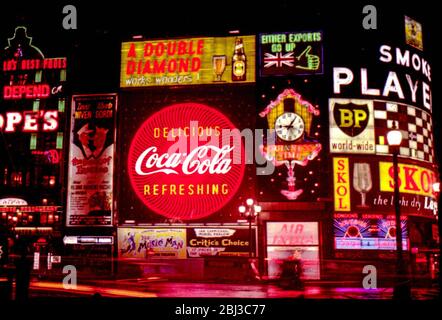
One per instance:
[(186, 161), (220, 242), (351, 126), (369, 233), (360, 127), (290, 53), (292, 233), (91, 160), (293, 239), (291, 140), (145, 243), (413, 33), (364, 185), (192, 61)]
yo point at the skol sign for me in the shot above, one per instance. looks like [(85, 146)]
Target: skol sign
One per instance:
[(341, 178), (412, 179)]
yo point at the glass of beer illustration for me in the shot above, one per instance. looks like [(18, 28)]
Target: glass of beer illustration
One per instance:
[(362, 181), (219, 66)]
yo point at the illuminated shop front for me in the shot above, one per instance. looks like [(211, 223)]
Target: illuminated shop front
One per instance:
[(32, 115)]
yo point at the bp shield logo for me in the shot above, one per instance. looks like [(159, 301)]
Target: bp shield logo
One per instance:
[(351, 118)]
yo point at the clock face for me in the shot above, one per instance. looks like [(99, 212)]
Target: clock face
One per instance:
[(289, 126)]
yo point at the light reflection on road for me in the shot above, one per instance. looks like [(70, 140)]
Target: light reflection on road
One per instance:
[(155, 288)]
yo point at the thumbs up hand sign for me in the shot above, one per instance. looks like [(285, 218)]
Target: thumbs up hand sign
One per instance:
[(309, 61)]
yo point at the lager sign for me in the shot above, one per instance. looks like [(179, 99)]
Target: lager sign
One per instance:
[(182, 162), (362, 185), (171, 62)]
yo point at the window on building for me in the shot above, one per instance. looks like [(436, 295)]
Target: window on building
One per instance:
[(16, 179)]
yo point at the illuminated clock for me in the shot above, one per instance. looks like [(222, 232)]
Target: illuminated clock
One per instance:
[(289, 126)]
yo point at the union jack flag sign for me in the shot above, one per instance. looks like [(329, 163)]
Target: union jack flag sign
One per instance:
[(278, 60)]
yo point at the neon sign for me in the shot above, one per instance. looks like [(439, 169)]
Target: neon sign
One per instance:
[(351, 126), (25, 65), (29, 121), (366, 186), (191, 175), (290, 53), (370, 233), (403, 87), (26, 91), (290, 118), (412, 179), (188, 61), (34, 64)]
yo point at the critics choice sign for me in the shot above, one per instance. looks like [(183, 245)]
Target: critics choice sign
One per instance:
[(186, 161)]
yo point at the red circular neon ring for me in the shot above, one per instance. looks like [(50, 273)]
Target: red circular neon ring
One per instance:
[(170, 204)]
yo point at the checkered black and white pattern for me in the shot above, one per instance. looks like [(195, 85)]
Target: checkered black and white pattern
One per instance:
[(416, 127)]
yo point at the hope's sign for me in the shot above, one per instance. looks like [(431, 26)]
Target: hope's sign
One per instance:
[(193, 61), (412, 179)]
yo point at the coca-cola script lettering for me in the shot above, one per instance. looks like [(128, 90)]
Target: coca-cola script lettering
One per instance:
[(166, 163)]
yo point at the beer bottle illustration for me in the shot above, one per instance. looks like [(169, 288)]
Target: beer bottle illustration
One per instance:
[(239, 63)]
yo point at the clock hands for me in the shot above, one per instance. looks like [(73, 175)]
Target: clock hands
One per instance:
[(290, 125)]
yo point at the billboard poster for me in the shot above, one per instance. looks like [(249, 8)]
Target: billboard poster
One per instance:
[(351, 126), (364, 185), (368, 232), (192, 61), (91, 160), (290, 53), (413, 33), (292, 233), (186, 161), (144, 243), (220, 242)]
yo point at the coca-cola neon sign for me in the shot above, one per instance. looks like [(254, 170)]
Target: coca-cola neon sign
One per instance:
[(186, 161)]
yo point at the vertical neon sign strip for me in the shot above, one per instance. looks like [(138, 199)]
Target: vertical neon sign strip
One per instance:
[(59, 143), (33, 142)]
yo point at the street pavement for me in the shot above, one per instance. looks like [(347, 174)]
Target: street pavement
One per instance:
[(151, 288)]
